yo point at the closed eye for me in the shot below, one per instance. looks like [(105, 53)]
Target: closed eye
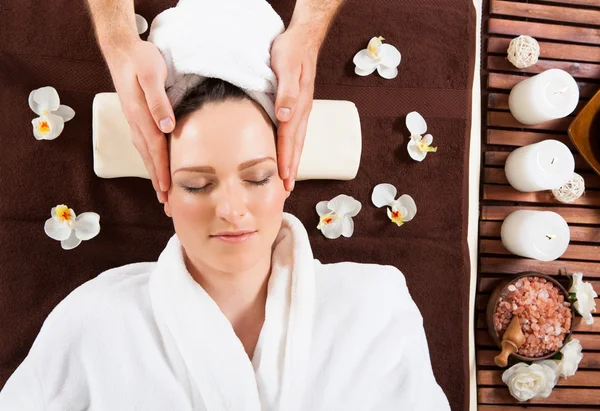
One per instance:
[(261, 182), (196, 189), (207, 186)]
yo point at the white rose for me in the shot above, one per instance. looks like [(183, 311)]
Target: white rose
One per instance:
[(571, 357), (585, 295), (531, 381)]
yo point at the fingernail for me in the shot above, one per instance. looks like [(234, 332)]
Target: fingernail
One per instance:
[(292, 184), (286, 175), (162, 185), (158, 196), (283, 114), (166, 125)]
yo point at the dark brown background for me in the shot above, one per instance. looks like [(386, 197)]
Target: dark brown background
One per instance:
[(52, 43)]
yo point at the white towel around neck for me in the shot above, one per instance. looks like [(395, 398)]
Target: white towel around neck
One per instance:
[(225, 377)]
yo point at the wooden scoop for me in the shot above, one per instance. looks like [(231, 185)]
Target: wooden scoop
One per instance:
[(512, 340)]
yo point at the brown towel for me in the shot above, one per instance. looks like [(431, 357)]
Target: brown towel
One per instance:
[(52, 43)]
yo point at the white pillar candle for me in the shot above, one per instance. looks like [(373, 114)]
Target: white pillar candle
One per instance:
[(547, 96), (542, 235), (546, 165)]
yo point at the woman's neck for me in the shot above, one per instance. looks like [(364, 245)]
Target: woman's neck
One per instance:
[(241, 296)]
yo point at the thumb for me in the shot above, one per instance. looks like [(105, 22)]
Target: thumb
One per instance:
[(159, 104), (288, 90)]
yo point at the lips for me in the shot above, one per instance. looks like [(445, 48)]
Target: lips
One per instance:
[(234, 237), (232, 233)]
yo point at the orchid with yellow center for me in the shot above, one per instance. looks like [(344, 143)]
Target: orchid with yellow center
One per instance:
[(335, 216), (418, 145), (141, 24), (401, 210), (70, 229), (52, 115), (384, 58)]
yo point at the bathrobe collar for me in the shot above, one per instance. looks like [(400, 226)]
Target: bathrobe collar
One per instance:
[(214, 355)]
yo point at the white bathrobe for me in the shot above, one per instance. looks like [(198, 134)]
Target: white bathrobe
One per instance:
[(146, 336)]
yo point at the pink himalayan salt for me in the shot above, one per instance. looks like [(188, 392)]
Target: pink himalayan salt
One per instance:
[(543, 313)]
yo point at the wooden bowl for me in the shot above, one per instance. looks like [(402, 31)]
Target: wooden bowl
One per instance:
[(501, 289), (584, 132)]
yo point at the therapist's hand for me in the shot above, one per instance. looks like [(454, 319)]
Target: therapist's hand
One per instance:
[(294, 61), (139, 72)]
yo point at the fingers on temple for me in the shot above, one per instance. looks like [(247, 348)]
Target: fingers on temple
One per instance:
[(156, 143), (142, 148), (304, 107), (298, 145), (285, 135)]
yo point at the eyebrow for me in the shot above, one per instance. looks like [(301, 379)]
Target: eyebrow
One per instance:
[(211, 170)]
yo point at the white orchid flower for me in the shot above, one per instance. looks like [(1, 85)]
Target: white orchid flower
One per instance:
[(400, 210), (52, 115), (418, 145), (384, 58), (70, 229), (572, 356), (336, 216), (585, 295), (141, 24)]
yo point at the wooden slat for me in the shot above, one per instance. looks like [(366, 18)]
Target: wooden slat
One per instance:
[(580, 379), (504, 119), (496, 175), (487, 284), (507, 193), (487, 407), (544, 12), (573, 252), (589, 3), (575, 215), (549, 50), (523, 138), (578, 233), (577, 70), (590, 360), (498, 158), (560, 395), (495, 265), (499, 101), (589, 341), (508, 81), (578, 325), (544, 31)]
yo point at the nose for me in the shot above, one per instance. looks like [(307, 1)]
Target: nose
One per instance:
[(231, 203)]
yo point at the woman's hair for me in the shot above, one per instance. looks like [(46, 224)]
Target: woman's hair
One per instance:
[(211, 90)]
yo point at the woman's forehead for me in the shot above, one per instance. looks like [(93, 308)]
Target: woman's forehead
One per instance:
[(226, 132)]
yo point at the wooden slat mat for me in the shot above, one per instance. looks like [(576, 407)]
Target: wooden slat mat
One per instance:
[(569, 35)]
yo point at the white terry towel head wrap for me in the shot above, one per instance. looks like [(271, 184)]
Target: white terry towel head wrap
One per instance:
[(230, 40)]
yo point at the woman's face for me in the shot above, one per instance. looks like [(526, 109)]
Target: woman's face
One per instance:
[(226, 198)]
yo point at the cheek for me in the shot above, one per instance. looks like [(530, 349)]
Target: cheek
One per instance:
[(188, 209), (269, 200)]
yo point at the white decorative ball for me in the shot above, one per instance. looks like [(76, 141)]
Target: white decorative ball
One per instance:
[(571, 190), (523, 51)]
